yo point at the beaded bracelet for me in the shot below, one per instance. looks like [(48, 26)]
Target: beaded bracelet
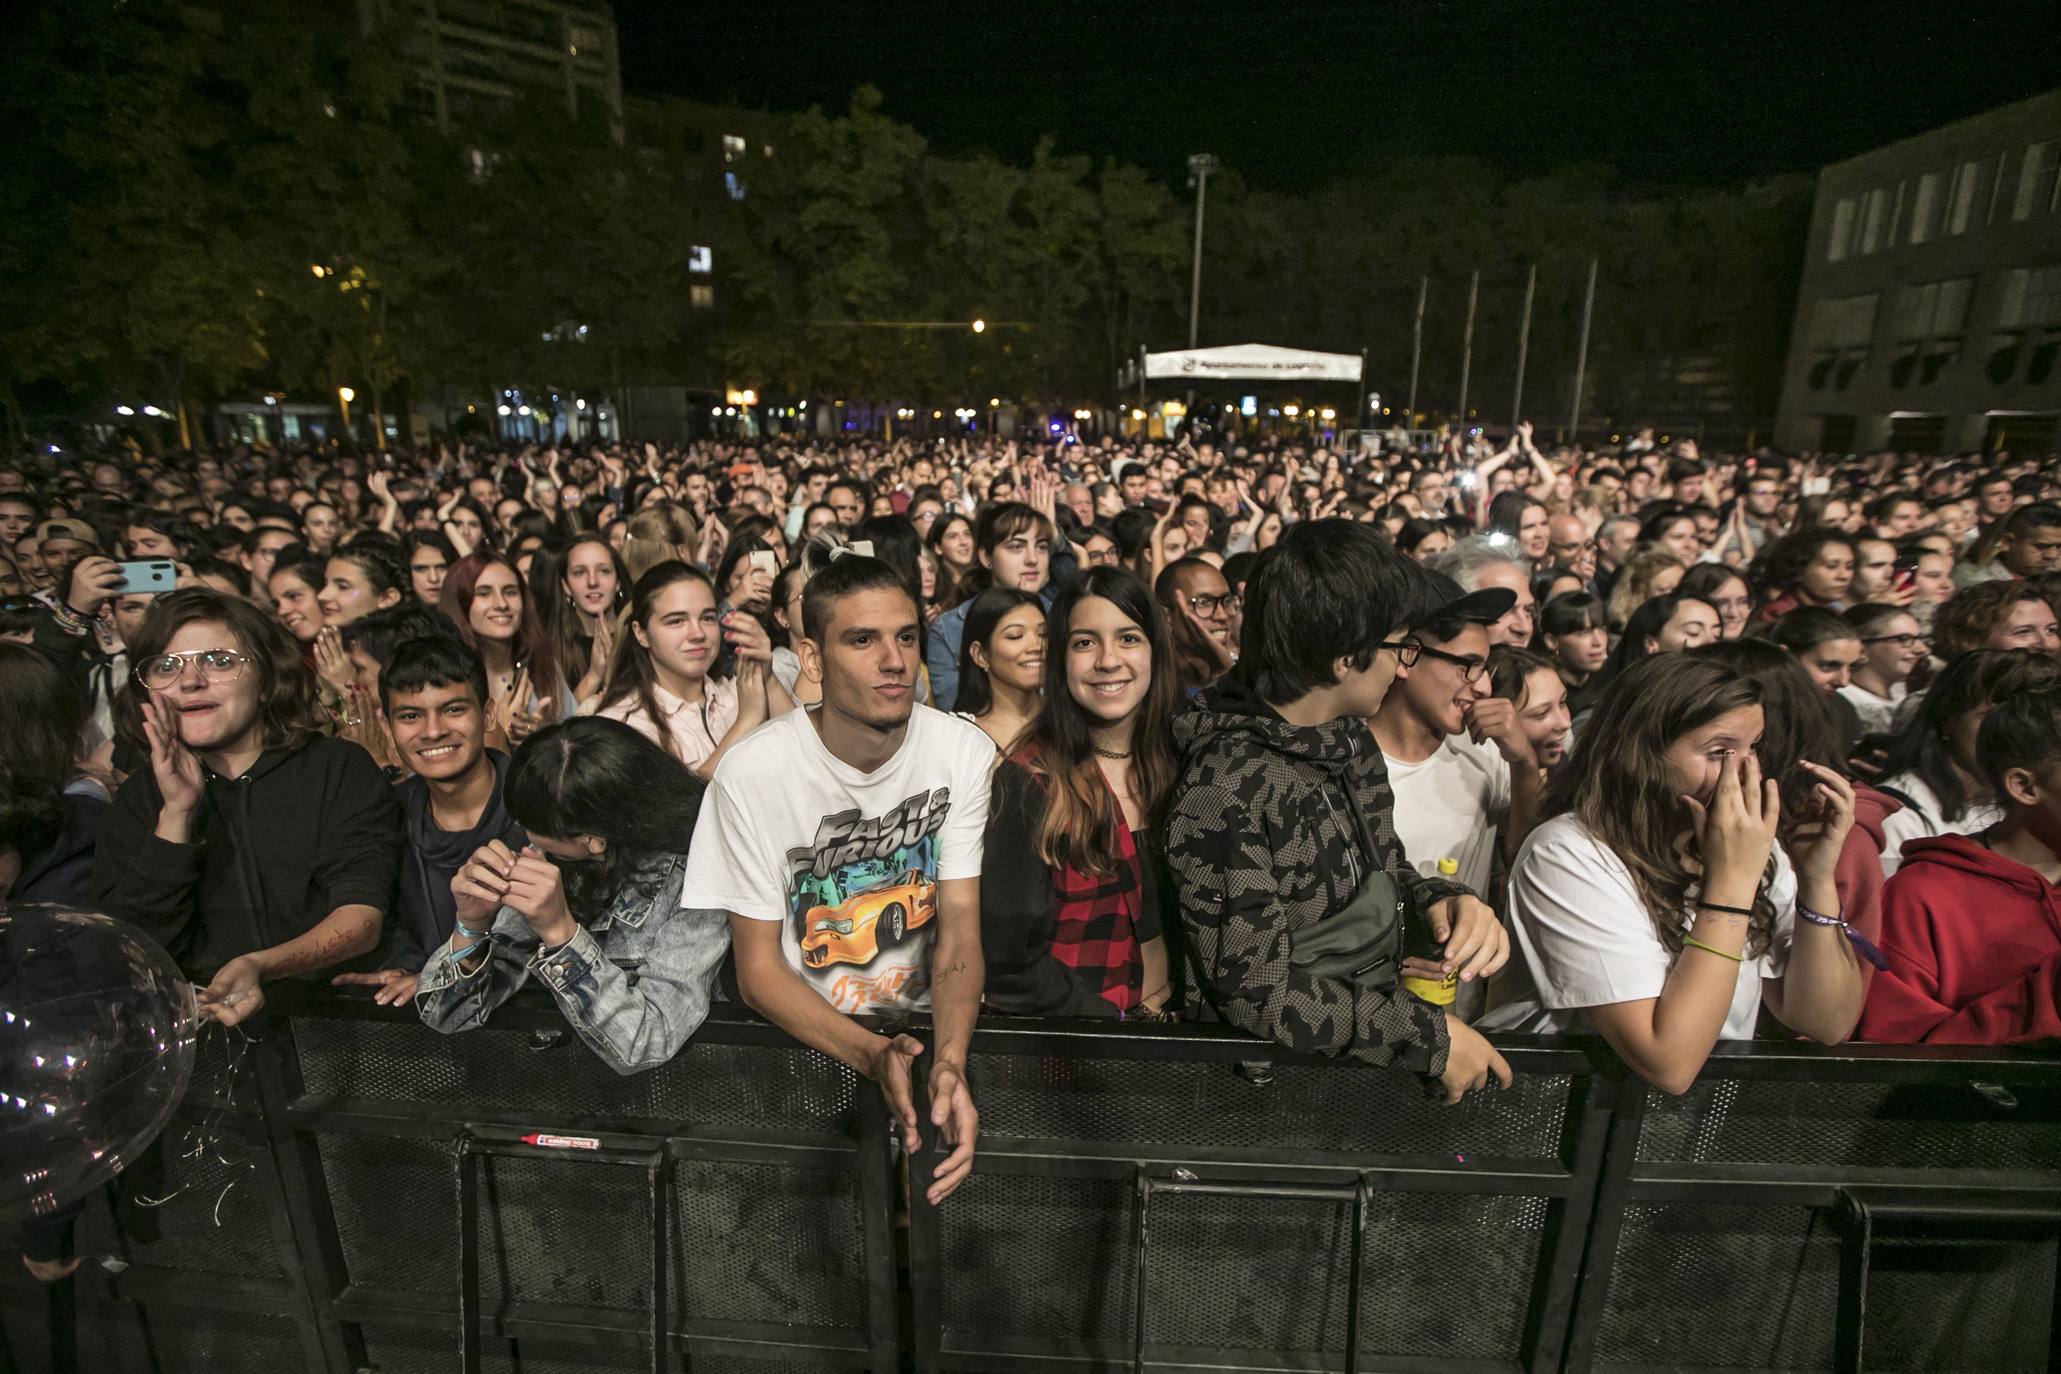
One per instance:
[(1862, 945)]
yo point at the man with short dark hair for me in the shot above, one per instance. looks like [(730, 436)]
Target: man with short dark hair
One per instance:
[(1456, 757), (1281, 834), (1202, 616), (433, 700), (845, 842)]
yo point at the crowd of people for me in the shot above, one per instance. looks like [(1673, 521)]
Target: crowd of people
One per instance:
[(1365, 751)]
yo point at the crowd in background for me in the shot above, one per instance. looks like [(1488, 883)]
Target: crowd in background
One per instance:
[(1360, 749)]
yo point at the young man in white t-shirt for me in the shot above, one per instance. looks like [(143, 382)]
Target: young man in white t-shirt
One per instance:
[(845, 842), (1453, 793)]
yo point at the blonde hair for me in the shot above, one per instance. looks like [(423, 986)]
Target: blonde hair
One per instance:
[(657, 533), (1634, 585)]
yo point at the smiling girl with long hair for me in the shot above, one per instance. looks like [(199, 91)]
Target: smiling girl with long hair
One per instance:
[(1069, 916)]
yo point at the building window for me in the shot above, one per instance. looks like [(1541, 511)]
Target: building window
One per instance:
[(1930, 320), (732, 185), (1842, 229), (1837, 340), (1871, 221), (701, 296), (1996, 189), (1925, 208), (2036, 180), (2028, 322), (733, 148), (700, 259), (1961, 197)]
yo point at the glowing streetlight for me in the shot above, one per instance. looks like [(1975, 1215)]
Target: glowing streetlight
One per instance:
[(749, 397), (504, 410), (346, 395), (125, 410), (318, 269), (980, 326)]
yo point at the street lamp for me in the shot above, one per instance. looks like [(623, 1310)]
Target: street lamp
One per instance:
[(980, 326), (344, 397), (1200, 166)]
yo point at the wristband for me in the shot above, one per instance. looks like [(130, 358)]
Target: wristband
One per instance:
[(1691, 942), (1863, 947), (1728, 910)]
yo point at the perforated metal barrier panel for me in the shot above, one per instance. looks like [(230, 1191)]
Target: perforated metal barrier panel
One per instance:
[(351, 1193)]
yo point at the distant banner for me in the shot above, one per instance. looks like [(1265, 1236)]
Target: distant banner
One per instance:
[(1255, 362)]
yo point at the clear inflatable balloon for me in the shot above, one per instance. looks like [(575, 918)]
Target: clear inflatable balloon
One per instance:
[(97, 1030)]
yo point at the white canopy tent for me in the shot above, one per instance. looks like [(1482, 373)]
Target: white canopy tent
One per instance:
[(1254, 362)]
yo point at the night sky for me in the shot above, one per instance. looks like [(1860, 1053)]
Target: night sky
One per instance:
[(1294, 94)]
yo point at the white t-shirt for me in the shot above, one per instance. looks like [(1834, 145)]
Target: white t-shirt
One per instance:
[(847, 862), (1877, 713), (1450, 805), (1923, 820), (696, 727), (1584, 938)]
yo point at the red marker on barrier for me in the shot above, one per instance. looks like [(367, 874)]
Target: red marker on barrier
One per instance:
[(562, 1142)]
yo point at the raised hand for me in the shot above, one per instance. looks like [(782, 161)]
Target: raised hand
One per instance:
[(1736, 830), (181, 783), (1819, 835), (332, 664), (536, 892)]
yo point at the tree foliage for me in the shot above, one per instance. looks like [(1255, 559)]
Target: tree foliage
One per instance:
[(211, 201)]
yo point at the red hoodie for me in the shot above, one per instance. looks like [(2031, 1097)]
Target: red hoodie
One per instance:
[(1858, 876), (1974, 946)]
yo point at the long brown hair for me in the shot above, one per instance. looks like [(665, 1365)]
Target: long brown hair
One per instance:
[(1617, 784), (1080, 811), (631, 675), (286, 686), (533, 648)]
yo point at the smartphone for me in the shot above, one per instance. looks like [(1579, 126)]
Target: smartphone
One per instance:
[(764, 562), (725, 661), (148, 577)]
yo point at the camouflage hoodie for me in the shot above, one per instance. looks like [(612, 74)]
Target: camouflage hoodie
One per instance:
[(1271, 829)]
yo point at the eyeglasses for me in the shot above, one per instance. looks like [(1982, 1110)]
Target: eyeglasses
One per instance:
[(216, 665), (1901, 641), (1584, 546), (1471, 668), (1409, 651), (1230, 602)]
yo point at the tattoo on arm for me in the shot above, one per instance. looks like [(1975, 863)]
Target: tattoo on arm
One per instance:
[(945, 973)]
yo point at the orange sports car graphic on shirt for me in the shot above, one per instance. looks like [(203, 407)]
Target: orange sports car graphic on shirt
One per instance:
[(863, 924)]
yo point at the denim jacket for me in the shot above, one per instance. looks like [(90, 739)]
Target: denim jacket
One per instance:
[(635, 984)]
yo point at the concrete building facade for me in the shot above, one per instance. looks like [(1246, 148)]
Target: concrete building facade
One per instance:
[(1928, 317), (471, 55)]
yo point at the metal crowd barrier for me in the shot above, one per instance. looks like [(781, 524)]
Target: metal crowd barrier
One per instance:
[(352, 1191)]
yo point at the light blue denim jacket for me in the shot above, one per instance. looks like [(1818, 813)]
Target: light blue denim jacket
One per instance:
[(635, 984)]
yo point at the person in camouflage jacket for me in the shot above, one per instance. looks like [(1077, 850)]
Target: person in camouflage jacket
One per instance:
[(1274, 825)]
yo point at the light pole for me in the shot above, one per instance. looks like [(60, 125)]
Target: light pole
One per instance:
[(344, 397), (1200, 165)]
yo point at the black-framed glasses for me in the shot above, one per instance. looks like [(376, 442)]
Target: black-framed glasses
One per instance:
[(1471, 667), (216, 665), (1406, 651), (1205, 604), (1901, 641)]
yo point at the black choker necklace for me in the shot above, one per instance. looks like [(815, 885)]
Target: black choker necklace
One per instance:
[(1110, 753)]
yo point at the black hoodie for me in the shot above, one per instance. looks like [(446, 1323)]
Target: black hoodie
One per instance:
[(304, 832), (1273, 827)]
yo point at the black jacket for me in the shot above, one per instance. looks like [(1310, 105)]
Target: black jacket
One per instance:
[(63, 873), (304, 832), (425, 910), (1272, 828)]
